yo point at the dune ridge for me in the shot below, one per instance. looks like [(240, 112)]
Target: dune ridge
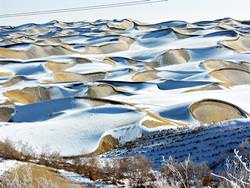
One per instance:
[(92, 86)]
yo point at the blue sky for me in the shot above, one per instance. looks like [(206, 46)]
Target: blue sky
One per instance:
[(189, 10)]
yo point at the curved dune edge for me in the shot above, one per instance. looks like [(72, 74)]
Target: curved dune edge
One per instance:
[(28, 95), (213, 86), (160, 121), (122, 44), (144, 76), (152, 115), (123, 25), (225, 26), (172, 57), (107, 143), (129, 61), (221, 64), (14, 80), (35, 51), (55, 42), (213, 111), (231, 76), (152, 123), (74, 77), (58, 66), (109, 61), (6, 114), (101, 90), (183, 34), (147, 65), (187, 31), (241, 44)]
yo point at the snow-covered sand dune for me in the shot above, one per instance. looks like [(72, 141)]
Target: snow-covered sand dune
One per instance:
[(74, 87)]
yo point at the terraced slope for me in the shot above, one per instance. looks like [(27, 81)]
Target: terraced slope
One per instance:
[(211, 144)]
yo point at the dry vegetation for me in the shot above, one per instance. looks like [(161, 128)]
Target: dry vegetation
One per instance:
[(136, 171)]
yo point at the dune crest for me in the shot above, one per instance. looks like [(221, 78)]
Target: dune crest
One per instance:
[(213, 111)]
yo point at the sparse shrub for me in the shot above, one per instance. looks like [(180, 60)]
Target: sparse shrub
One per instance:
[(8, 151), (139, 171), (236, 173), (88, 167), (186, 174), (55, 159)]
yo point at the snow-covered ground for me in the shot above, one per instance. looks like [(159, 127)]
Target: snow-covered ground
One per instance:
[(65, 86)]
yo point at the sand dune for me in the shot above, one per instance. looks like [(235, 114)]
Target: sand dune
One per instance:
[(174, 57), (214, 86), (106, 144), (145, 76), (220, 64), (34, 51), (242, 44), (121, 45), (73, 77), (121, 25), (231, 76), (58, 66), (28, 95), (89, 86), (13, 81), (101, 90), (37, 174), (212, 111)]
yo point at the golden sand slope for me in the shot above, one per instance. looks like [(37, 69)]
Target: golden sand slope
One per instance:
[(5, 74), (107, 143), (123, 25), (38, 176), (144, 76), (28, 95), (35, 51), (152, 123), (220, 64), (60, 75), (211, 111), (242, 44), (72, 77), (213, 86), (58, 66), (12, 81), (52, 176), (231, 76), (101, 90), (121, 45), (186, 31), (172, 57)]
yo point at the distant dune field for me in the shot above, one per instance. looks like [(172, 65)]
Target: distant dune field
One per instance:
[(84, 88)]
